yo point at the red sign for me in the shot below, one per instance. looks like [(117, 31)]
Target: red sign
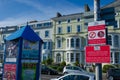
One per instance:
[(96, 33), (9, 72), (98, 54)]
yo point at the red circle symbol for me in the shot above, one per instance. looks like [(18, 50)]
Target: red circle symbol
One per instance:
[(101, 34), (92, 34)]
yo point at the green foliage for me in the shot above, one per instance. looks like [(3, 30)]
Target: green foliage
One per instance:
[(68, 64), (49, 61), (60, 68), (44, 62), (106, 67), (63, 63), (53, 67), (76, 63)]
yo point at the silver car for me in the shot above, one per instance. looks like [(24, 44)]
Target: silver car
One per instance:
[(75, 69), (75, 76)]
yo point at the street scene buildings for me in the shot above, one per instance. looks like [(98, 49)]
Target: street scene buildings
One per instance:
[(65, 36)]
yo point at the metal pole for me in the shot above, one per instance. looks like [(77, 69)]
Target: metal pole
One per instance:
[(98, 66)]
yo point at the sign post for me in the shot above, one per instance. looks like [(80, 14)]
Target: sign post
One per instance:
[(95, 52)]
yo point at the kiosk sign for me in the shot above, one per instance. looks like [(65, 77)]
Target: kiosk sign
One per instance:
[(96, 33)]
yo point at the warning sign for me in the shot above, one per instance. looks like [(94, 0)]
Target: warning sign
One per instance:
[(92, 35), (96, 33), (98, 54)]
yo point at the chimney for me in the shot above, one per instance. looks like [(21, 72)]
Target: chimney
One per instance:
[(86, 7), (58, 14)]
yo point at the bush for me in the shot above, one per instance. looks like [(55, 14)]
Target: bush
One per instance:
[(53, 67), (60, 68), (76, 63), (107, 67), (49, 61), (63, 63)]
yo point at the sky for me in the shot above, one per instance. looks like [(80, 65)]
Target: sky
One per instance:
[(15, 12)]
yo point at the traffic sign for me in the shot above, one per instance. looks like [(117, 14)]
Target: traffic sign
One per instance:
[(98, 54), (96, 33)]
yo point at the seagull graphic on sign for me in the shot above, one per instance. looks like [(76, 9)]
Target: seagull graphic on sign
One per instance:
[(101, 34)]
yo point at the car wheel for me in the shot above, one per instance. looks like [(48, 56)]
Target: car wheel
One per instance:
[(110, 78)]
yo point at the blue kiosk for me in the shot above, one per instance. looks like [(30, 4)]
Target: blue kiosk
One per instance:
[(22, 56)]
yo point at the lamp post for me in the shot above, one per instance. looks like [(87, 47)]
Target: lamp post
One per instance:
[(98, 66)]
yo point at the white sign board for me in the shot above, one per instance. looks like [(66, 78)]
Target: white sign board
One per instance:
[(96, 33)]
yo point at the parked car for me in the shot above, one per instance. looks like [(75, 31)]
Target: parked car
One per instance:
[(75, 69), (113, 74), (47, 70), (75, 76), (1, 70)]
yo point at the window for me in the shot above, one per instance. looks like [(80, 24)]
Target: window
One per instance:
[(31, 26), (111, 57), (49, 45), (59, 42), (109, 40), (39, 25), (116, 41), (78, 20), (44, 57), (67, 43), (72, 57), (78, 57), (46, 33), (45, 45), (68, 21), (72, 43), (59, 30), (78, 28), (58, 58), (77, 42), (47, 24), (4, 37), (67, 57), (68, 29), (117, 58), (1, 46), (59, 22)]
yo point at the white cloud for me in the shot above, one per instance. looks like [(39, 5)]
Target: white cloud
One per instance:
[(54, 6), (44, 11), (14, 21)]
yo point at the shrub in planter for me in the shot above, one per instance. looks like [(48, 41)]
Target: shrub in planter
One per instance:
[(60, 68), (53, 67), (106, 67), (76, 63), (63, 63)]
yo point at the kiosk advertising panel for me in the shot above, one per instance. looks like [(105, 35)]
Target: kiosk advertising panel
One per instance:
[(11, 51), (30, 56), (9, 72)]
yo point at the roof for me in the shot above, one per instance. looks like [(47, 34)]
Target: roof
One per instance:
[(115, 4), (25, 33)]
